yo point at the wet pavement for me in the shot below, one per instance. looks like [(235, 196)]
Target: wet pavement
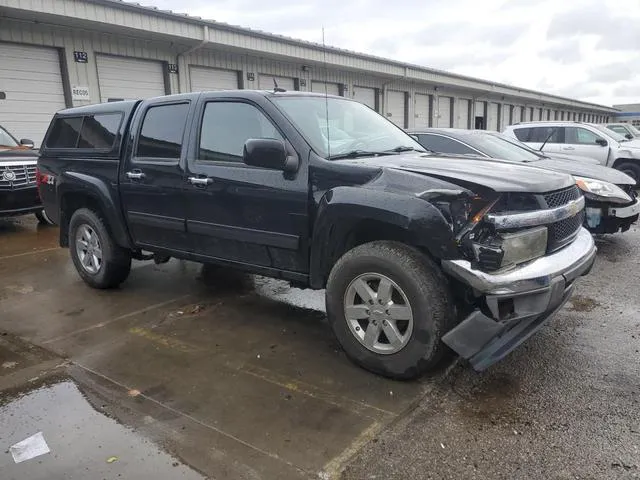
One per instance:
[(185, 373)]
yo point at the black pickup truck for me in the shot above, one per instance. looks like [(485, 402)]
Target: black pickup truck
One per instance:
[(415, 251)]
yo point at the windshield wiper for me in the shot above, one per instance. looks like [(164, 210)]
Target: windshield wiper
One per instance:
[(358, 154)]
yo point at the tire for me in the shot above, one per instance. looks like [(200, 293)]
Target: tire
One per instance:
[(115, 263), (420, 284), (630, 168), (43, 218)]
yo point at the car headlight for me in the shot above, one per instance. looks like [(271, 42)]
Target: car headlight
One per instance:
[(601, 190)]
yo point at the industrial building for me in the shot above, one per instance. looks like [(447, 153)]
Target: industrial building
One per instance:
[(628, 113), (61, 53)]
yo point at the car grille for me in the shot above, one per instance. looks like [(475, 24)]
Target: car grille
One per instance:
[(561, 197), (24, 175), (563, 232)]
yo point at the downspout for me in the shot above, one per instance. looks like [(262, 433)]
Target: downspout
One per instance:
[(180, 56)]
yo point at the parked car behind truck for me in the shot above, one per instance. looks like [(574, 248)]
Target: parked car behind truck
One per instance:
[(584, 139), (610, 197), (415, 253)]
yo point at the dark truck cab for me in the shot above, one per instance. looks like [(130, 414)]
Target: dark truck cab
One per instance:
[(415, 251)]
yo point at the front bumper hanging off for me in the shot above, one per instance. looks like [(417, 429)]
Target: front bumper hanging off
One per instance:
[(518, 301)]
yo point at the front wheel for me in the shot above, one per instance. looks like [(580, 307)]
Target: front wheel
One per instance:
[(389, 306), (98, 259)]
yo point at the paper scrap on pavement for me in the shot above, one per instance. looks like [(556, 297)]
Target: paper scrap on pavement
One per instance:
[(29, 448)]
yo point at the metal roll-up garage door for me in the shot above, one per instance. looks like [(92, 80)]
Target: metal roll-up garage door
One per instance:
[(212, 79), (444, 112), (422, 109), (464, 108), (492, 114), (331, 88), (396, 108), (126, 78), (365, 95), (265, 82), (505, 116), (31, 82)]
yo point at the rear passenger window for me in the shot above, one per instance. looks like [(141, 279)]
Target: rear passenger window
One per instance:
[(99, 131), (162, 131), (90, 131), (226, 126), (522, 134), (65, 132)]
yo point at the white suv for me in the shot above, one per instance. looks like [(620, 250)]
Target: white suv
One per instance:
[(585, 139)]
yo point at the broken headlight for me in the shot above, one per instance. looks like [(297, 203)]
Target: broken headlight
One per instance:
[(601, 190), (505, 250)]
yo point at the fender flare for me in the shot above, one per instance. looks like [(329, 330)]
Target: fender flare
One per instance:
[(104, 195), (342, 208)]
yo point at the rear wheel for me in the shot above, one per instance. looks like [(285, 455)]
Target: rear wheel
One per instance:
[(389, 306), (98, 259), (630, 168)]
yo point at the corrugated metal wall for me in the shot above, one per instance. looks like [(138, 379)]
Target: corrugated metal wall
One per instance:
[(249, 65)]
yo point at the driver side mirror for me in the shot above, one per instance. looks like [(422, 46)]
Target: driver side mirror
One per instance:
[(25, 142), (269, 153), (602, 142), (629, 136)]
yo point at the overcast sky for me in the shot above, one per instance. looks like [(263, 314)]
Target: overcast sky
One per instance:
[(586, 49)]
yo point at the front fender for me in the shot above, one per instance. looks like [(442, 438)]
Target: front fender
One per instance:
[(342, 208), (96, 193)]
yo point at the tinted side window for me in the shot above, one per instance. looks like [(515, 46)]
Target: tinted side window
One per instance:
[(65, 132), (226, 126), (441, 144), (99, 131), (541, 134), (162, 131), (581, 136), (522, 134)]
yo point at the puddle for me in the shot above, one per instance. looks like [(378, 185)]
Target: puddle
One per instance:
[(83, 442)]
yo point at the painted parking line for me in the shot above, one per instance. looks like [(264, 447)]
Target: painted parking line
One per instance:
[(117, 319), (184, 415), (34, 252), (362, 409)]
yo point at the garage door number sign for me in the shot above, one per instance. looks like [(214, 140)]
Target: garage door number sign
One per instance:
[(80, 93)]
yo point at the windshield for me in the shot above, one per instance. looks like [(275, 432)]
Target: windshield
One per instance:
[(496, 146), (335, 126), (616, 136), (633, 129), (6, 140)]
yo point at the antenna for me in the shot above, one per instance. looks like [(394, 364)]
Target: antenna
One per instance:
[(326, 93)]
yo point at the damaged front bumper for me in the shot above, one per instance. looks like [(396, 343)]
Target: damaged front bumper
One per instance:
[(611, 218), (518, 302)]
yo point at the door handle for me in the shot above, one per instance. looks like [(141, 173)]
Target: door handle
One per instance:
[(135, 175), (568, 148), (200, 181)]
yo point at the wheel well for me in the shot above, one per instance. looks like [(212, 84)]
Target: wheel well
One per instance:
[(69, 204), (620, 161), (364, 231)]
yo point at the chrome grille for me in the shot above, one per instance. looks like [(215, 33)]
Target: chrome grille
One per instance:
[(563, 232), (561, 197), (23, 175)]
